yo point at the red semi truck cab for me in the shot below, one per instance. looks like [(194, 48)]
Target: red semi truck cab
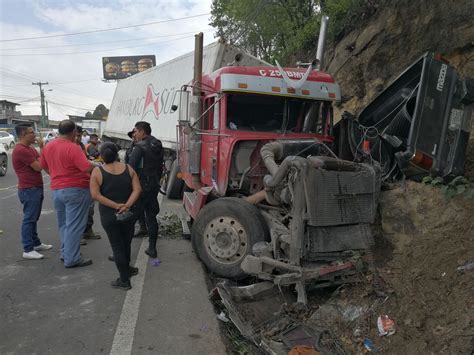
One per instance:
[(241, 109)]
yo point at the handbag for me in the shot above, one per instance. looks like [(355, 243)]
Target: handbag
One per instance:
[(124, 217)]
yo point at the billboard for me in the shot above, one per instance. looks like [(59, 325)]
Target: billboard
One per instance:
[(123, 67)]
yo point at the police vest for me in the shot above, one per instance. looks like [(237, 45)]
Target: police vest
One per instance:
[(152, 157)]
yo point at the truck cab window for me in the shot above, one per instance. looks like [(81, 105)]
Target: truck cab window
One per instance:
[(207, 122), (261, 113)]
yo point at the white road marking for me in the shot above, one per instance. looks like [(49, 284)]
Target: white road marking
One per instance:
[(16, 193), (8, 196), (7, 188), (125, 332)]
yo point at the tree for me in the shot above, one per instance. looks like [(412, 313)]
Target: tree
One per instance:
[(268, 29), (285, 29), (100, 113), (89, 115)]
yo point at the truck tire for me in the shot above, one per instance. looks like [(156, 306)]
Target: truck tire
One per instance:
[(3, 164), (224, 233), (174, 185)]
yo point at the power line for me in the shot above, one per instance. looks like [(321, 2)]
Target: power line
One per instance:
[(13, 97), (106, 42), (79, 93), (12, 72), (252, 17), (104, 30), (98, 51), (70, 106), (60, 83), (32, 99)]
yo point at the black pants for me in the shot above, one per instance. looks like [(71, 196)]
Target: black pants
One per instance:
[(142, 222), (148, 204), (120, 237), (90, 217)]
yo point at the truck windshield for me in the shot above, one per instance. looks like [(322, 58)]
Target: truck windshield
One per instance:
[(271, 113)]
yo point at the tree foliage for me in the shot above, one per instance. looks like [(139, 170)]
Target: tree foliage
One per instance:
[(267, 29), (281, 29), (100, 113)]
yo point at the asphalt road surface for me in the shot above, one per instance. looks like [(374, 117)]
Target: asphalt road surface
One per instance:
[(48, 309)]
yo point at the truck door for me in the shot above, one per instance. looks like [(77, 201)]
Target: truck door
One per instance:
[(210, 141)]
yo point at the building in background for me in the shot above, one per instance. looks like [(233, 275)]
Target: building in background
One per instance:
[(8, 112)]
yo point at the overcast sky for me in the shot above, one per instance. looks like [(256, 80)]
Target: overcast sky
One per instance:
[(74, 77)]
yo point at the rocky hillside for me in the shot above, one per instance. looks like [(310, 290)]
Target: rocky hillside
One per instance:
[(399, 32)]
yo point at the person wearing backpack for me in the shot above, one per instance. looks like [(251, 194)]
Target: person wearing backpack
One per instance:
[(147, 160)]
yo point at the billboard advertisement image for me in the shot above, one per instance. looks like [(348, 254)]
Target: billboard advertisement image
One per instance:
[(123, 67)]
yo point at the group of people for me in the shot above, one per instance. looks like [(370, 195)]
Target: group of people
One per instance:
[(126, 192)]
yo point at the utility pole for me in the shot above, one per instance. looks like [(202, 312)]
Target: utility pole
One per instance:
[(43, 117)]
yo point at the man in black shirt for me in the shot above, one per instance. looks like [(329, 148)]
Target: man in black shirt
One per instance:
[(146, 159), (142, 232)]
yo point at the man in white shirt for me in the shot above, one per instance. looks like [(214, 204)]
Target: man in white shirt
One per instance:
[(85, 137)]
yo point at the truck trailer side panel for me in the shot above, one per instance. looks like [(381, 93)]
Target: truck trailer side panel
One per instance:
[(148, 96)]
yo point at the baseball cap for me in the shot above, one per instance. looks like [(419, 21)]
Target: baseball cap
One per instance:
[(130, 134)]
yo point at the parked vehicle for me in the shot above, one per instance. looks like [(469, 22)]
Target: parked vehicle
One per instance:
[(48, 136), (3, 159), (8, 139), (93, 126), (149, 96)]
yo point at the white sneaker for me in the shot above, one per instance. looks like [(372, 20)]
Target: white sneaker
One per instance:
[(33, 255), (43, 246)]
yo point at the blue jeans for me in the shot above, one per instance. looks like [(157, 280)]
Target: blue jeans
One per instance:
[(32, 201), (72, 206)]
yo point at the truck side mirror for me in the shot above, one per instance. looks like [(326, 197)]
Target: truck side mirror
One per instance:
[(183, 105)]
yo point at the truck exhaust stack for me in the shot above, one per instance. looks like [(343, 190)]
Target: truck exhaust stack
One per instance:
[(198, 49), (321, 42)]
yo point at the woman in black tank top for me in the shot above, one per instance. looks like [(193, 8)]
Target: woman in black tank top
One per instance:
[(116, 186)]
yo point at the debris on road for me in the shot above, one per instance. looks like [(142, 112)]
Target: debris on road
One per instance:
[(170, 225), (385, 325), (369, 345), (466, 267), (221, 316), (155, 262)]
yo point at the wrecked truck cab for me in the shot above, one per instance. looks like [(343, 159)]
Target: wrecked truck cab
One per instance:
[(267, 196), (420, 124)]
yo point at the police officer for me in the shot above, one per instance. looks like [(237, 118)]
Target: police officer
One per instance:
[(147, 160), (142, 232)]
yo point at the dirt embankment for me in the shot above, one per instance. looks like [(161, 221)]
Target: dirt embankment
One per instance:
[(422, 240), (431, 301), (367, 59)]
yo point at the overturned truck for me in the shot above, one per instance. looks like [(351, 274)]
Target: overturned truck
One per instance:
[(418, 125)]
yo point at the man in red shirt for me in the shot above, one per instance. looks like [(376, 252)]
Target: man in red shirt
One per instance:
[(30, 190), (70, 171)]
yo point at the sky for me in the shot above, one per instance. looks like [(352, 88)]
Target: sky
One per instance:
[(72, 63)]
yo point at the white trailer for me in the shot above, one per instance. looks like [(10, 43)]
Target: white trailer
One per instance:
[(94, 126), (148, 96)]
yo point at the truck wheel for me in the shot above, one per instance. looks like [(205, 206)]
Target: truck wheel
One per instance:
[(174, 185), (224, 232), (3, 164)]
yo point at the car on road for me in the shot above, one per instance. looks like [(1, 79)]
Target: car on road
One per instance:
[(48, 136), (7, 138), (3, 159)]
